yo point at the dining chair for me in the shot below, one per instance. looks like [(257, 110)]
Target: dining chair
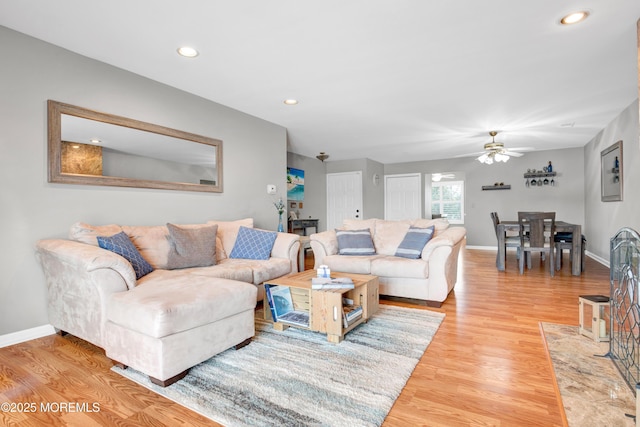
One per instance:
[(541, 228), (565, 241), (509, 241)]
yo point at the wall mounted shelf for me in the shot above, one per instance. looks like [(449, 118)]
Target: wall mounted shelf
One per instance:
[(539, 174), (496, 187)]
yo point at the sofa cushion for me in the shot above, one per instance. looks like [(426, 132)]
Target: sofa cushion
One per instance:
[(86, 233), (261, 270), (439, 224), (194, 247), (170, 301), (120, 244), (355, 242), (393, 266), (388, 235), (252, 243), (414, 241), (152, 242), (228, 231), (226, 269), (351, 264)]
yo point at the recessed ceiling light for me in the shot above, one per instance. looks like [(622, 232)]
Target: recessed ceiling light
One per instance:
[(291, 101), (574, 18), (187, 52)]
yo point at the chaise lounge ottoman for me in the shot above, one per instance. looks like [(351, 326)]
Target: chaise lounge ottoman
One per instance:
[(164, 327)]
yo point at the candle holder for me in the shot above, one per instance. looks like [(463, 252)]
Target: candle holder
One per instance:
[(595, 317)]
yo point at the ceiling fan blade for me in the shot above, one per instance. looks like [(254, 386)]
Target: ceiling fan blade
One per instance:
[(513, 153)]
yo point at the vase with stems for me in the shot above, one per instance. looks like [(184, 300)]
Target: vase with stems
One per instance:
[(280, 226), (280, 208)]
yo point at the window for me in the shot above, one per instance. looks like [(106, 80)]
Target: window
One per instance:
[(447, 199)]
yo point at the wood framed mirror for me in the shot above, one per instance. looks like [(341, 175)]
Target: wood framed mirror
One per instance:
[(611, 173), (88, 147)]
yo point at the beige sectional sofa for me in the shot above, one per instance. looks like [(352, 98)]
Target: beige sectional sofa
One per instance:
[(430, 277), (170, 319)]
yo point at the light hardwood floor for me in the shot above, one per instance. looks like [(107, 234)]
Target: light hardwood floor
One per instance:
[(485, 367)]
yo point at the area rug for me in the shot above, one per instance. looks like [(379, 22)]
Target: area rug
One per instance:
[(592, 390), (297, 378)]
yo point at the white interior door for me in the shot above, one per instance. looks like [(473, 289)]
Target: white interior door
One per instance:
[(402, 196), (344, 198)]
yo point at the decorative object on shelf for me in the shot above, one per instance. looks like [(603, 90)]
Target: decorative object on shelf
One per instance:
[(280, 208), (540, 178), (611, 165), (322, 156), (497, 186)]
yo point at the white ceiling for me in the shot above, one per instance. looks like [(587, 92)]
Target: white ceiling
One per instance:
[(393, 80)]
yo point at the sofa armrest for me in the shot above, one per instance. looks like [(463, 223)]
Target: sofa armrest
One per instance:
[(323, 244), (287, 245), (449, 237), (87, 257), (79, 278)]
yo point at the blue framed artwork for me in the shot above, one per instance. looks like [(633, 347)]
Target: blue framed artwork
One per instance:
[(295, 184)]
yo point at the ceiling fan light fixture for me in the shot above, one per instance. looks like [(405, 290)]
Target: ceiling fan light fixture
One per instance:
[(501, 157), (322, 156)]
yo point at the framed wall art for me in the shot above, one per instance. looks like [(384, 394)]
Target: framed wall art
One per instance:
[(295, 184)]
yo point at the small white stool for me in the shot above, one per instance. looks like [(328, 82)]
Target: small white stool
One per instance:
[(594, 317)]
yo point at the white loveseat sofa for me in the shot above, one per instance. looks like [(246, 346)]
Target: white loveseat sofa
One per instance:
[(430, 277), (170, 319)]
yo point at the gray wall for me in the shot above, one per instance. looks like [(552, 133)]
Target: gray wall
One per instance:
[(603, 219), (566, 198), (254, 153)]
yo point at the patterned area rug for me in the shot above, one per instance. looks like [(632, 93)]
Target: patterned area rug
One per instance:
[(297, 378), (593, 391)]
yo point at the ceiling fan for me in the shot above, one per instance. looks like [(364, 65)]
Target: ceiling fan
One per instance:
[(495, 151)]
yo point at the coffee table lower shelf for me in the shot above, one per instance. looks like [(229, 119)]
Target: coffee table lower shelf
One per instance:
[(325, 307)]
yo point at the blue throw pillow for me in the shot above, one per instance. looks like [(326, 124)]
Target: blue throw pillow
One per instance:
[(355, 242), (122, 245), (414, 241), (252, 243)]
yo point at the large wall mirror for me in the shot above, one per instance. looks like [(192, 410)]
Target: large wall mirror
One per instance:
[(94, 148), (611, 173)]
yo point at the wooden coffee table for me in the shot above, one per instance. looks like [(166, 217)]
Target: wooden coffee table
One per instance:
[(325, 306)]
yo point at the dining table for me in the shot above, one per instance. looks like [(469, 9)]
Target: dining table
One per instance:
[(561, 226)]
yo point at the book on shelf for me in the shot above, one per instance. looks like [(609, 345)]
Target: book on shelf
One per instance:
[(281, 305), (331, 283), (350, 314), (267, 293)]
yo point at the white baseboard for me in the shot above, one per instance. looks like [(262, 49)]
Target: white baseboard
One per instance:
[(602, 261), (26, 335), (487, 248)]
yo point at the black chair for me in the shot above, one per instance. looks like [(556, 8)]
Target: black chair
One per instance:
[(509, 241), (541, 229), (564, 240)]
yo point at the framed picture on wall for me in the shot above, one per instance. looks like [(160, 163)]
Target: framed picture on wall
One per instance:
[(295, 184), (611, 173)]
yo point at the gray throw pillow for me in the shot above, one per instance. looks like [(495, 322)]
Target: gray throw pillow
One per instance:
[(355, 242), (191, 247), (414, 241)]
